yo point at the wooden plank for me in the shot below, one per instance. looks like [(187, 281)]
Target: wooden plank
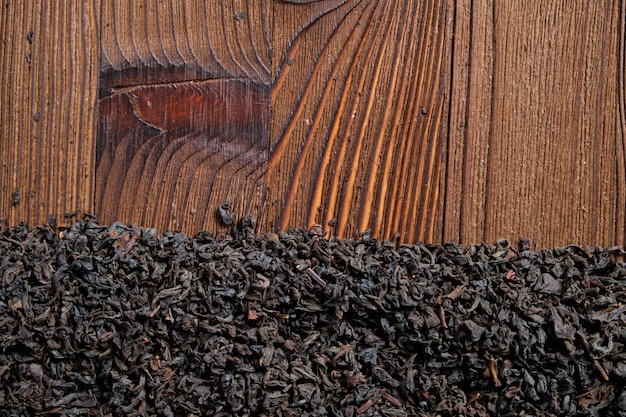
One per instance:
[(184, 105), (461, 121), (339, 70), (536, 136), (48, 90), (620, 145), (471, 87), (356, 110)]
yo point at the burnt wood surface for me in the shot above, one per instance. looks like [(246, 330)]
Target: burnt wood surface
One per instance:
[(438, 121)]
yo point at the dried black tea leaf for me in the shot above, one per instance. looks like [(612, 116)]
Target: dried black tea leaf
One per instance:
[(118, 320)]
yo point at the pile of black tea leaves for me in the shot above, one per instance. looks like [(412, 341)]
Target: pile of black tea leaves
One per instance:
[(118, 320)]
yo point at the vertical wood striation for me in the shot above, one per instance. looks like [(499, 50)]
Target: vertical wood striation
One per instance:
[(356, 110), (620, 126), (47, 109), (533, 132)]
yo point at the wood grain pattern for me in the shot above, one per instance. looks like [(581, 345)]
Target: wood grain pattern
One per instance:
[(620, 145), (184, 105), (199, 39), (438, 121), (356, 114), (48, 89), (536, 136), (168, 151), (432, 121)]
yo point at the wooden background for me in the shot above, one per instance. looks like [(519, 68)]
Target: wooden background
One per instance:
[(438, 120)]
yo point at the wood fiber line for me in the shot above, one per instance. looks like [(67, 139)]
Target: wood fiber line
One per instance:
[(407, 153), (532, 133), (470, 120), (305, 71), (49, 84), (286, 100), (341, 146), (407, 217), (358, 153), (299, 170), (620, 143), (420, 216), (395, 104), (599, 123), (365, 209), (320, 175), (319, 194)]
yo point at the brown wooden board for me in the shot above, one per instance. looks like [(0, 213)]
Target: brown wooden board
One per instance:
[(356, 108), (536, 135), (438, 121), (356, 113), (48, 87), (184, 109)]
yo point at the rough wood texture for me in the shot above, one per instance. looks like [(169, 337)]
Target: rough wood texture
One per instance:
[(356, 114), (536, 135), (48, 87), (168, 152), (356, 108), (184, 111), (440, 121)]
